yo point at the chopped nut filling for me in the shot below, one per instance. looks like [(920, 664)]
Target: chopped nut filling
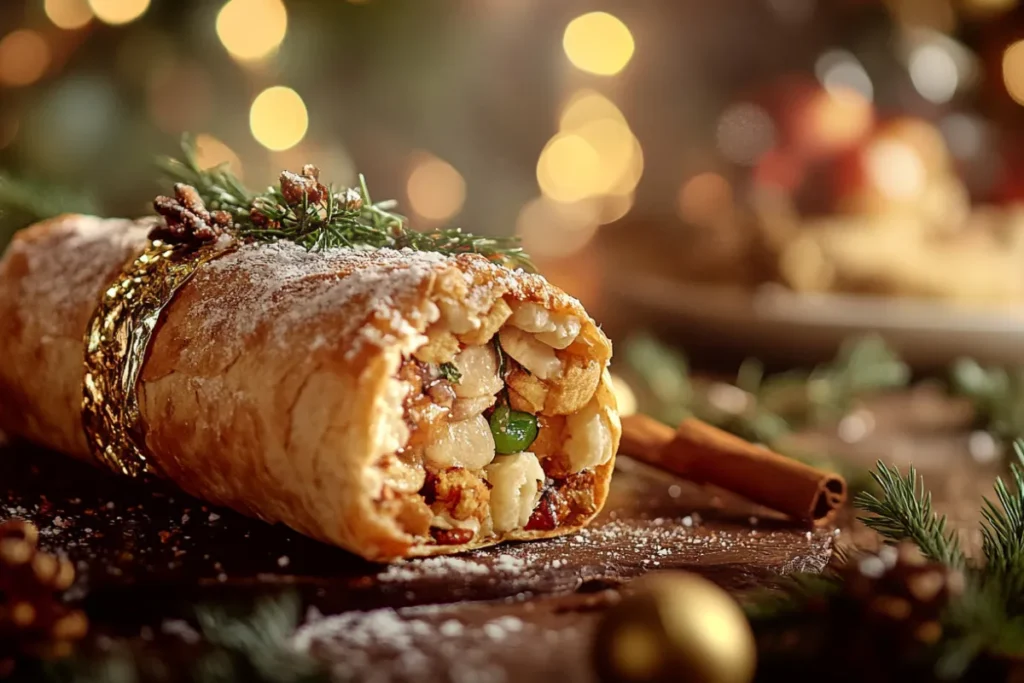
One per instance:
[(506, 435)]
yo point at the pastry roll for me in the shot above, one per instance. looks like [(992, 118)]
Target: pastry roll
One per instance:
[(396, 403)]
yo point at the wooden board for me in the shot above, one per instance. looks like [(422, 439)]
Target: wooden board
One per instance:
[(145, 552)]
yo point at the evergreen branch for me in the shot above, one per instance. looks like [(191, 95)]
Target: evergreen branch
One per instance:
[(219, 188), (1003, 526), (301, 210), (250, 646), (996, 394), (978, 621), (904, 512), (257, 644), (791, 598)]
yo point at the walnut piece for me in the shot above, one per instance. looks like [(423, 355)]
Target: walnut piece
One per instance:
[(460, 493)]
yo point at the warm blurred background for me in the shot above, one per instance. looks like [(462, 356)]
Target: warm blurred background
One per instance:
[(770, 176)]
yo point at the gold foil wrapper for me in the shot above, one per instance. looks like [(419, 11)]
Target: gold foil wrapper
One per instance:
[(117, 341)]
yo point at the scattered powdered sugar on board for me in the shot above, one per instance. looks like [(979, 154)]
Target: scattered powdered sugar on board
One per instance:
[(451, 567), (462, 642), (614, 549), (443, 567)]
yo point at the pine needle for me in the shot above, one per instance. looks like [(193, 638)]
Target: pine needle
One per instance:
[(904, 512), (255, 646), (1003, 526), (347, 217)]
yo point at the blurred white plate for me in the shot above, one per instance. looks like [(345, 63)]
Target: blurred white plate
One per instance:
[(775, 323)]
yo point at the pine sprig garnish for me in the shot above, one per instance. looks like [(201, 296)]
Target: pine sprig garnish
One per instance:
[(1003, 528), (302, 210), (237, 644), (903, 511)]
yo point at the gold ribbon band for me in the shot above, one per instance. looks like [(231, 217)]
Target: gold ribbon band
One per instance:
[(117, 341)]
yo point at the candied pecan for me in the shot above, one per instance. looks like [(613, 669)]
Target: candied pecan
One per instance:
[(297, 188), (550, 511), (579, 488), (262, 220), (452, 536), (186, 219), (556, 466)]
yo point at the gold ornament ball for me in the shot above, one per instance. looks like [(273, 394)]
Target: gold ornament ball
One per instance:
[(675, 627)]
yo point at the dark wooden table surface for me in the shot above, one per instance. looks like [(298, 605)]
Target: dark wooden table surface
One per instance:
[(145, 553)]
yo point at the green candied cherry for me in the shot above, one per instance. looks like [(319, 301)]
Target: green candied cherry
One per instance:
[(513, 431)]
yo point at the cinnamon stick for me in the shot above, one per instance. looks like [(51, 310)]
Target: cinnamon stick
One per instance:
[(706, 454)]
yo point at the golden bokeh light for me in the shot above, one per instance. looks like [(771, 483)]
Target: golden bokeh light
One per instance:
[(24, 57), (211, 152), (627, 183), (118, 11), (569, 168), (68, 14), (252, 29), (613, 142), (598, 43), (436, 190), (615, 207), (895, 169), (704, 197), (837, 119), (552, 229), (594, 154), (278, 118), (1013, 71), (586, 106)]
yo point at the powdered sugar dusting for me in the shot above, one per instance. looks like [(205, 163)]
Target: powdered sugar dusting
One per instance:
[(67, 271), (280, 287)]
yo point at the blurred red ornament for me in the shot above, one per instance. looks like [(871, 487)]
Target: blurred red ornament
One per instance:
[(778, 168)]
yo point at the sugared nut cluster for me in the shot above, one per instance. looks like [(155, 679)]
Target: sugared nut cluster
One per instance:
[(297, 188), (186, 219)]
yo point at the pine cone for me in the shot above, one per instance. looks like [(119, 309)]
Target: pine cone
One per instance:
[(306, 187), (902, 594), (33, 620), (186, 219)]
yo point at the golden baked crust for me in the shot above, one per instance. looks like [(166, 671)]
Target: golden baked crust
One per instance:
[(266, 388), (51, 277)]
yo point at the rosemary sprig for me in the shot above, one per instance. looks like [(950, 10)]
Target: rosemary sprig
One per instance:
[(340, 218)]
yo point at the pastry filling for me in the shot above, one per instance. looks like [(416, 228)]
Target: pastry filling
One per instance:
[(501, 427)]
